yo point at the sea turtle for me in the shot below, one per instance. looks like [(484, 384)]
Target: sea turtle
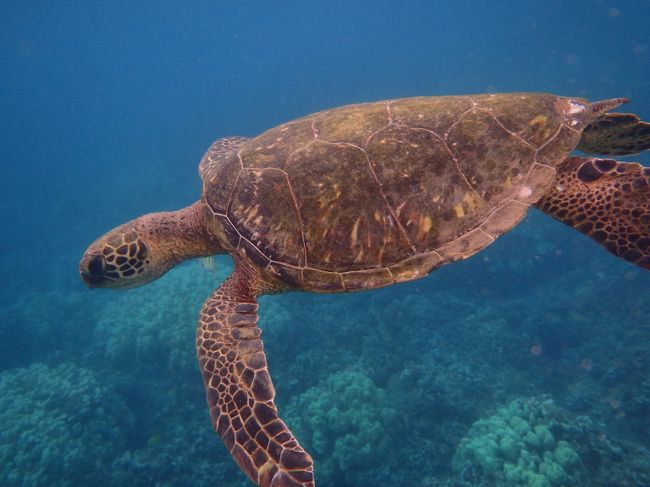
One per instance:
[(364, 196)]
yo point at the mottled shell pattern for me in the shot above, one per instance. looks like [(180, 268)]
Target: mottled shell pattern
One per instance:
[(372, 194)]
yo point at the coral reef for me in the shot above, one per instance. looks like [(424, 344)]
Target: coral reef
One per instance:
[(346, 422), (156, 323), (416, 365), (517, 447), (59, 425), (177, 447), (534, 442)]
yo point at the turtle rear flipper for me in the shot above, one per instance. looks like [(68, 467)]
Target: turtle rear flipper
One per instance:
[(607, 200), (239, 389), (620, 134)]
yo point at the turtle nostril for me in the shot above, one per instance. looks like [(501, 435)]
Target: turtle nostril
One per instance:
[(96, 266)]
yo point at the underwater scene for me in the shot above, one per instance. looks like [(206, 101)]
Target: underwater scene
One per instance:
[(524, 364)]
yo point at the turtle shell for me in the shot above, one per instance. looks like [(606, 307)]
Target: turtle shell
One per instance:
[(371, 194)]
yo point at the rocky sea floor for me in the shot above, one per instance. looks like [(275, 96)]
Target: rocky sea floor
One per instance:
[(525, 365)]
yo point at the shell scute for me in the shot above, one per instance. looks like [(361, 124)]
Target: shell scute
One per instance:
[(533, 117), (266, 215), (253, 253), (323, 280), (494, 161), (437, 114), (556, 150), (465, 245), (346, 222), (539, 178), (423, 185), (367, 279), (219, 184), (504, 218), (290, 275), (274, 147), (353, 124), (415, 267), (219, 169)]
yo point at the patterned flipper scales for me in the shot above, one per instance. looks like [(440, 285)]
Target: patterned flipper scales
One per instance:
[(239, 389), (607, 200), (616, 134)]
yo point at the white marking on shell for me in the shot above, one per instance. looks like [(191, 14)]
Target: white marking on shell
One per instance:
[(525, 192), (575, 107)]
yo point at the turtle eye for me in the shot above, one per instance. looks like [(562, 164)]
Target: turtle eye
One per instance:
[(96, 266)]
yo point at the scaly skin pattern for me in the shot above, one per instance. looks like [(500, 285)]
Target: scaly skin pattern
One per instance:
[(616, 134), (607, 200), (239, 389), (145, 248), (368, 195)]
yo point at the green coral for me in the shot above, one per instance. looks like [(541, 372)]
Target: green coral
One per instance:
[(345, 422), (155, 323), (516, 447), (58, 426)]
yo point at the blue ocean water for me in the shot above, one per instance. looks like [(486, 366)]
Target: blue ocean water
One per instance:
[(526, 364)]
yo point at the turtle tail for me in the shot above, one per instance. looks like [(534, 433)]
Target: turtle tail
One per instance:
[(607, 200)]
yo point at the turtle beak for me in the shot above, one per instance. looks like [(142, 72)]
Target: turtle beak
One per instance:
[(91, 270)]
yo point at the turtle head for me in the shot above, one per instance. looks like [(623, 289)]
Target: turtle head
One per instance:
[(122, 258), (143, 249)]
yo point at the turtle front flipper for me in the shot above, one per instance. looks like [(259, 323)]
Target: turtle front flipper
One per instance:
[(607, 200), (616, 134), (239, 389)]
